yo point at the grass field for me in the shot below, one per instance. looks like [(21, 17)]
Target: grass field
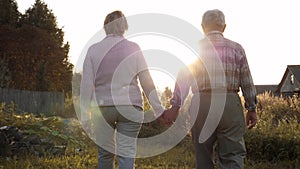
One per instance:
[(273, 144)]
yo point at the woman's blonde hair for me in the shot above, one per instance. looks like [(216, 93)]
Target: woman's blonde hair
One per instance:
[(115, 23)]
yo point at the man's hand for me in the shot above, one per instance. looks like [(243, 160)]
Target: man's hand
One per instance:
[(170, 115), (251, 119)]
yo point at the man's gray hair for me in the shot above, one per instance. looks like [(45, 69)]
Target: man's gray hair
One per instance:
[(213, 18)]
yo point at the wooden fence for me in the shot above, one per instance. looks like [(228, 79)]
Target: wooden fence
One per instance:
[(33, 101)]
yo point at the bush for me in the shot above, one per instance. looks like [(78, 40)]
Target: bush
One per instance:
[(276, 136), (273, 144), (279, 108), (272, 147)]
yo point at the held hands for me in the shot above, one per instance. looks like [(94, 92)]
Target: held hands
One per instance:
[(169, 116)]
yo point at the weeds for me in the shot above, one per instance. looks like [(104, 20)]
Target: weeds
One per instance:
[(273, 144)]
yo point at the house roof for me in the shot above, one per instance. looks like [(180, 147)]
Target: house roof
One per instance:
[(264, 88), (295, 69)]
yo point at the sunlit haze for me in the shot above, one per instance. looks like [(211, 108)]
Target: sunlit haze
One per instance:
[(268, 30)]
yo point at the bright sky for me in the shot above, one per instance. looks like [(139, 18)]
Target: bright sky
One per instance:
[(268, 30)]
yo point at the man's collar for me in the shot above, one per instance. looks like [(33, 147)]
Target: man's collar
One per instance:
[(211, 33)]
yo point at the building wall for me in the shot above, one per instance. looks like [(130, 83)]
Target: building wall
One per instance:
[(288, 87)]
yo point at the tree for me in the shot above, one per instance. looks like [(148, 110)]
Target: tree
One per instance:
[(166, 97), (76, 84), (34, 55), (4, 72), (61, 69), (31, 57), (9, 14), (40, 16)]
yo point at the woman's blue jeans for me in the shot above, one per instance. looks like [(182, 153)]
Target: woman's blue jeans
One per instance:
[(116, 130)]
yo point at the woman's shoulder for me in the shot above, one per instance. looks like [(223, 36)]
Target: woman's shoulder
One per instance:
[(132, 44)]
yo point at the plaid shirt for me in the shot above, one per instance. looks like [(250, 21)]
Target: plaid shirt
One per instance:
[(222, 66)]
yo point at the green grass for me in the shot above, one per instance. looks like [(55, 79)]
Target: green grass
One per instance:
[(273, 144), (180, 157)]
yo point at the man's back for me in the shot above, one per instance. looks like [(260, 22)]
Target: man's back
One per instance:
[(222, 60)]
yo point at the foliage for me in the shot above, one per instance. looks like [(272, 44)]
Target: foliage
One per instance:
[(69, 107), (166, 97), (275, 143), (269, 145), (9, 13), (4, 72), (76, 84), (40, 16), (276, 136), (278, 108), (56, 127), (154, 127), (36, 69), (34, 51)]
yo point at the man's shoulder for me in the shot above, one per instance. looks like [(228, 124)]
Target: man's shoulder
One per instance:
[(221, 42), (233, 43)]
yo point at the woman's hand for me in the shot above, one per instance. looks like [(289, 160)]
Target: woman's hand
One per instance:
[(170, 115)]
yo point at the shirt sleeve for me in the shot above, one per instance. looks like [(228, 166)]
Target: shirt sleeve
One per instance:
[(148, 85), (247, 85), (182, 87), (86, 87)]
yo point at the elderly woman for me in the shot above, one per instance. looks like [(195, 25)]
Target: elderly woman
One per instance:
[(111, 71)]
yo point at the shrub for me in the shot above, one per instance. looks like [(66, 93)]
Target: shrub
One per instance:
[(279, 108), (276, 136)]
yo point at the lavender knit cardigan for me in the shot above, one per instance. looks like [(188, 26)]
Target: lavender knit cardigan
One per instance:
[(111, 74)]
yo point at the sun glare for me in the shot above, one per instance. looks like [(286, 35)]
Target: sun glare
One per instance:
[(165, 55)]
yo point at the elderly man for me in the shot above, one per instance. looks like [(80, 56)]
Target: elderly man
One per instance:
[(221, 71)]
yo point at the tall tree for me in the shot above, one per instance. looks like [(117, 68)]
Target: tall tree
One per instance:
[(4, 71), (35, 53), (9, 14), (30, 54), (41, 16)]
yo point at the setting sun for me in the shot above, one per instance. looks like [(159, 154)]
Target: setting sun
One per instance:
[(165, 55)]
